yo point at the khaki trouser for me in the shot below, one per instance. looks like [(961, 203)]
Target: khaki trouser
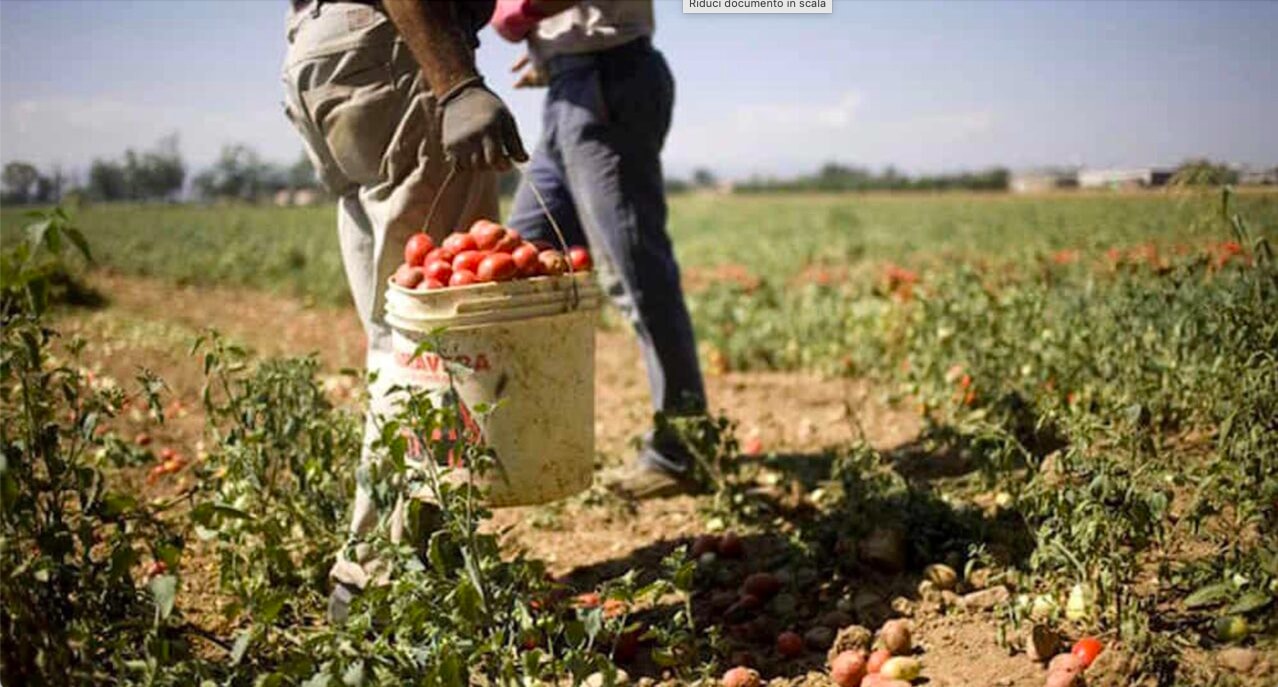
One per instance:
[(356, 95)]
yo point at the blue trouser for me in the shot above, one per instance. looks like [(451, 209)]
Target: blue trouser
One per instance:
[(598, 166)]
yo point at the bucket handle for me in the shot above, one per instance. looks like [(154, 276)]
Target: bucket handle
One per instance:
[(545, 209)]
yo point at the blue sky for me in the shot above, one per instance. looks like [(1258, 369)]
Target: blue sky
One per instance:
[(924, 86)]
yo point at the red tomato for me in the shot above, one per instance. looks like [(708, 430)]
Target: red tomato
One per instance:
[(1087, 649), (876, 660), (468, 260), (552, 262), (580, 258), (586, 600), (848, 669), (497, 267), (440, 254), (741, 676), (416, 249), (487, 233), (789, 644), (463, 278), (525, 257), (508, 242), (457, 243), (730, 546), (433, 283), (439, 270), (408, 276)]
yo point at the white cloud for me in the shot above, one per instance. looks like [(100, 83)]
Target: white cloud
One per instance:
[(838, 115), (73, 131), (788, 138)]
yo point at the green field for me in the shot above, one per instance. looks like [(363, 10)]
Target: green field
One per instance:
[(1097, 381), (294, 250)]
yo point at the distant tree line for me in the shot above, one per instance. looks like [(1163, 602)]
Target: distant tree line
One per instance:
[(160, 175), (838, 177)]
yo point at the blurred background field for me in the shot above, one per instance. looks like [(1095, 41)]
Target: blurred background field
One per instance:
[(293, 250)]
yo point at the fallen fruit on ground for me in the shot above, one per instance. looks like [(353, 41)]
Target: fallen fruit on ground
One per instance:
[(1079, 604), (789, 644), (762, 585), (1087, 649), (730, 546), (703, 544), (941, 575), (741, 676), (878, 657), (901, 668), (1232, 628), (895, 635), (848, 668)]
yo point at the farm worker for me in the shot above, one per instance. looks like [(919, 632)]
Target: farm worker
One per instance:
[(598, 166), (387, 99)]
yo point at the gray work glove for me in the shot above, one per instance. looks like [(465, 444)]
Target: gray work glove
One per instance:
[(477, 131)]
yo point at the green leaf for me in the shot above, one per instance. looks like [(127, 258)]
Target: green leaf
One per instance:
[(268, 610), (1253, 600), (592, 622), (241, 646), (1210, 595), (354, 675), (468, 602), (77, 238), (164, 591)]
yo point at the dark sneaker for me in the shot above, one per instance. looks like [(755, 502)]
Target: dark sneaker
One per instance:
[(640, 482)]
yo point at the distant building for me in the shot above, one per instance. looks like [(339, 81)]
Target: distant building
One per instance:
[(301, 196), (1041, 180), (1139, 177), (1258, 177)]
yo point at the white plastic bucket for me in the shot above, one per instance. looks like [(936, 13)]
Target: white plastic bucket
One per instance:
[(528, 349)]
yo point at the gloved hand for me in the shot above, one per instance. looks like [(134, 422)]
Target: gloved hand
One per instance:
[(477, 131)]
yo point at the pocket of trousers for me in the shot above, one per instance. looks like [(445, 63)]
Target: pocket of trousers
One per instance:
[(356, 115)]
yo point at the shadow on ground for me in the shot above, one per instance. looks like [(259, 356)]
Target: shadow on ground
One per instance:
[(846, 532)]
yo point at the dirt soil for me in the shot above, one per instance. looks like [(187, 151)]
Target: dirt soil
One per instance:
[(150, 323)]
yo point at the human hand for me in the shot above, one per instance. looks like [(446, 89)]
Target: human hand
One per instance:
[(477, 130), (532, 77)]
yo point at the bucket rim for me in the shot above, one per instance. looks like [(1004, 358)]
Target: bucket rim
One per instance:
[(494, 285)]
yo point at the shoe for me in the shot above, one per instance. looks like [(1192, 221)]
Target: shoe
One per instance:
[(339, 602), (640, 482)]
